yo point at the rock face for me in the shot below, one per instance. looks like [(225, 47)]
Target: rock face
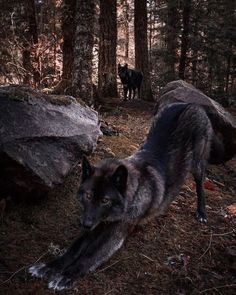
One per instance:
[(42, 138), (223, 123)]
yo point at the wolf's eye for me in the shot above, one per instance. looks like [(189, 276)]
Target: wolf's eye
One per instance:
[(106, 201), (88, 196)]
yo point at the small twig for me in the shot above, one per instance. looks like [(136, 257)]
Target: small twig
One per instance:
[(219, 287), (22, 268), (207, 247), (109, 266), (224, 234), (219, 234), (109, 291), (147, 257), (4, 282), (217, 182)]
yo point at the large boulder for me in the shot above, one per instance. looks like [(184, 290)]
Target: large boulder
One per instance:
[(222, 121), (42, 138)]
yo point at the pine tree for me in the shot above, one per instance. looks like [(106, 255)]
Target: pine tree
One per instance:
[(107, 82), (83, 50), (141, 47)]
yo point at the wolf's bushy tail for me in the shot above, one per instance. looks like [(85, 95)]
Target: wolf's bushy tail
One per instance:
[(217, 152), (223, 147)]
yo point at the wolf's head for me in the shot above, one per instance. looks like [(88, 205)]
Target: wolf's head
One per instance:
[(123, 73), (102, 192)]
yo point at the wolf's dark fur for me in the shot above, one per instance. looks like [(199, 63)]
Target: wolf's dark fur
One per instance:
[(131, 79), (117, 194)]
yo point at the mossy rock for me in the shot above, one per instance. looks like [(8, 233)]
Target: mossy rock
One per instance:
[(27, 94)]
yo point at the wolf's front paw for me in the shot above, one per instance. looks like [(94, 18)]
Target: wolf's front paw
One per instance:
[(60, 282), (41, 271), (201, 217), (38, 270)]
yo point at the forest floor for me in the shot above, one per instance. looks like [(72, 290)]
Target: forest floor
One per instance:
[(173, 254)]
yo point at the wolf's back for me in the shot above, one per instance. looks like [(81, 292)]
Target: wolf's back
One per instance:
[(223, 123), (177, 122), (174, 128), (164, 123)]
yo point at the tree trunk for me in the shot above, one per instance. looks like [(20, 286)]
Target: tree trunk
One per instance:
[(230, 56), (126, 6), (30, 40), (171, 38), (141, 47), (83, 50), (227, 75), (150, 31), (210, 79), (32, 21), (184, 38), (107, 81), (194, 55), (68, 32), (26, 62)]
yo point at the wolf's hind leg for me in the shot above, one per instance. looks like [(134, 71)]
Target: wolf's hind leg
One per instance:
[(199, 176), (201, 207), (200, 157), (134, 92)]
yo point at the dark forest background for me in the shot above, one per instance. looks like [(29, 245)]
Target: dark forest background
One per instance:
[(73, 46)]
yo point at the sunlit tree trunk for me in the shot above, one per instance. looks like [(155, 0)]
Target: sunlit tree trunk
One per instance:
[(83, 50)]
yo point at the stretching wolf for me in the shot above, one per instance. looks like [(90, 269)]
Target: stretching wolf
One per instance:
[(119, 193)]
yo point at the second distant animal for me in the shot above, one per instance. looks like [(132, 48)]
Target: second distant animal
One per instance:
[(131, 80)]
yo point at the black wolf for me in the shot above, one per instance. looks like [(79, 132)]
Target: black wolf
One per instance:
[(131, 79), (119, 193)]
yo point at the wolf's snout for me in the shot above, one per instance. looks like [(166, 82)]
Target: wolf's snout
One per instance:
[(87, 223)]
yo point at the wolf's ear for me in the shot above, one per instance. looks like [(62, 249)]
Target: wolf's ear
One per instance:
[(87, 169), (126, 66), (119, 178), (119, 65)]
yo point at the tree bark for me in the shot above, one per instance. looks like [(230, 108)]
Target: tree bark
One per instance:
[(227, 75), (107, 81), (194, 55), (184, 38), (30, 40), (229, 24), (126, 7), (83, 50), (141, 47), (68, 32), (171, 38)]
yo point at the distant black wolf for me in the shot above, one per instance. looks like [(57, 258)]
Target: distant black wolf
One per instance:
[(131, 79), (119, 193)]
